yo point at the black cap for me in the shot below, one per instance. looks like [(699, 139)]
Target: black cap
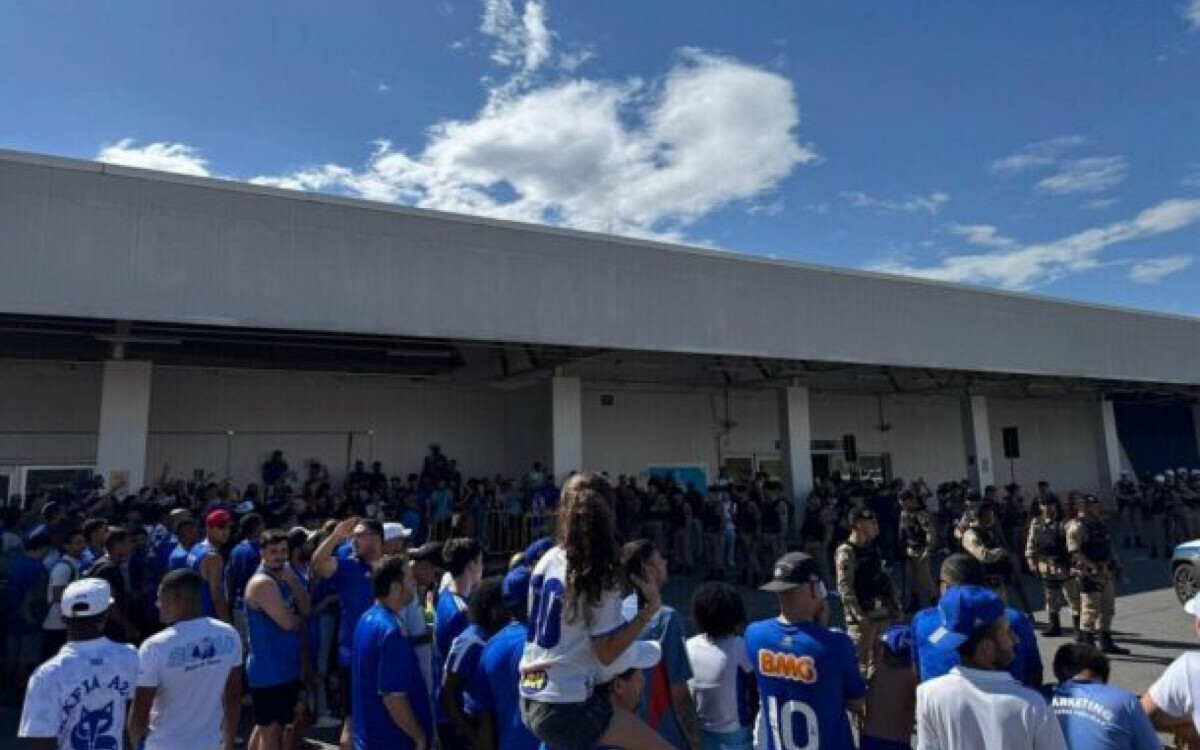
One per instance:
[(792, 570), (861, 514), (428, 552)]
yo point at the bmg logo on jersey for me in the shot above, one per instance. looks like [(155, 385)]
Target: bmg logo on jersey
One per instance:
[(787, 666)]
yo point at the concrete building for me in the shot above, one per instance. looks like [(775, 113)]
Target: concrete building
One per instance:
[(151, 320)]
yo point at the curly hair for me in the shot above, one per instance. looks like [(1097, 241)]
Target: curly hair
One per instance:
[(587, 534)]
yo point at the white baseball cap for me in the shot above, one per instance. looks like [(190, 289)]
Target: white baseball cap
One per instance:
[(1193, 606), (393, 531), (86, 597), (639, 655)]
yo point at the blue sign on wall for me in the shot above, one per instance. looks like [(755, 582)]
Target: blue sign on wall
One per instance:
[(683, 474)]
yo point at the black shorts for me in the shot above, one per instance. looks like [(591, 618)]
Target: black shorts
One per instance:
[(275, 704), (346, 683)]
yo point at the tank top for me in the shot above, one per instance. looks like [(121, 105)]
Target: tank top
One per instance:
[(195, 559), (274, 652)]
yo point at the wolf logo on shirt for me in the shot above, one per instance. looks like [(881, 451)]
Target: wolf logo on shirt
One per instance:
[(91, 732)]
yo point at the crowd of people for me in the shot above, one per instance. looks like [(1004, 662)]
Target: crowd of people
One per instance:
[(159, 616)]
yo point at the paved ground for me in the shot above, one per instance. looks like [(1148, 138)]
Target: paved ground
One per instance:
[(1149, 621)]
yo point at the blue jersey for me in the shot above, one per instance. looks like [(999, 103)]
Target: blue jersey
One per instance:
[(384, 663), (657, 707), (195, 559), (1102, 717), (496, 687), (806, 676), (352, 583), (935, 662), (25, 574), (243, 562), (274, 656), (463, 660), (178, 559), (449, 620)]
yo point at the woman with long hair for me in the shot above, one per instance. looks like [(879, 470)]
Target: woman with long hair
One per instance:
[(576, 628)]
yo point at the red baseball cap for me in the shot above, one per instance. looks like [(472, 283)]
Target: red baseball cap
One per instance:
[(218, 518)]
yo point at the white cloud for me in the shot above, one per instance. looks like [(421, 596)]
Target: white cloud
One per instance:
[(569, 62), (523, 40), (641, 158), (1037, 155), (1191, 14), (929, 204), (983, 235), (1027, 266), (383, 88), (623, 157), (1154, 270), (1093, 174), (1098, 203), (1192, 179), (165, 157)]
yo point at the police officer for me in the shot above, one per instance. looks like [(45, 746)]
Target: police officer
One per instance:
[(1094, 565), (917, 538), (1046, 551), (1154, 505), (868, 595), (982, 540), (1129, 500)]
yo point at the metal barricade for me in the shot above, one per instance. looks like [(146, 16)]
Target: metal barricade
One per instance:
[(508, 534)]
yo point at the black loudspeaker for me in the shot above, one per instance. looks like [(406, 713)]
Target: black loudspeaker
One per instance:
[(849, 448), (1012, 442)]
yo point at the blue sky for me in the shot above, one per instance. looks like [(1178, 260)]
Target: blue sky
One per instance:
[(1051, 147)]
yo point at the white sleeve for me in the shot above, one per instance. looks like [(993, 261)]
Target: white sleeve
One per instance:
[(1172, 692), (60, 574), (148, 665), (927, 738), (41, 714), (606, 616)]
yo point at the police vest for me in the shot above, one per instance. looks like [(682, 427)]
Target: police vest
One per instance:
[(991, 540), (1049, 541), (870, 581), (1095, 546)]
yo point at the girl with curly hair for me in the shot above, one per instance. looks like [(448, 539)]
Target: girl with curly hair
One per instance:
[(576, 628)]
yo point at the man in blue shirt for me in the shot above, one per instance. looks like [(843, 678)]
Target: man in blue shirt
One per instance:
[(350, 579), (497, 701), (666, 702), (958, 570), (24, 609), (459, 683), (186, 536), (390, 705), (807, 675), (1093, 714), (464, 563), (243, 562)]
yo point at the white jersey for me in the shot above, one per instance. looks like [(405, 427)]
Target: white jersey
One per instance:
[(188, 664), (80, 696), (62, 573), (558, 665)]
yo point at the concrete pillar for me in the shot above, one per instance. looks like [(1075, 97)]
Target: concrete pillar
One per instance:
[(1110, 470), (977, 437), (566, 414), (124, 423), (796, 444)]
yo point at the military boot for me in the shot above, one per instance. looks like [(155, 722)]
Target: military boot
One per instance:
[(1055, 629), (1109, 647)]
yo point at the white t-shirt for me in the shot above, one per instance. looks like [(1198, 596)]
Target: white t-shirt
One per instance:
[(719, 673), (972, 709), (64, 572), (559, 665), (1176, 690), (188, 664), (80, 696)]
